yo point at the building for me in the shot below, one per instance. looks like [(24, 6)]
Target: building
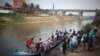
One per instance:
[(17, 4)]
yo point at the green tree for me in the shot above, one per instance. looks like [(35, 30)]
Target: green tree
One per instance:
[(24, 5), (70, 14), (37, 7), (87, 28), (29, 8), (32, 5), (32, 8), (24, 8), (96, 21), (97, 14), (7, 5)]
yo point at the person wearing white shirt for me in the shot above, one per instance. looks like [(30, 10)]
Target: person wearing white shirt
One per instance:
[(73, 43)]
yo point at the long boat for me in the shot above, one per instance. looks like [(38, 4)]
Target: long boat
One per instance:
[(23, 53)]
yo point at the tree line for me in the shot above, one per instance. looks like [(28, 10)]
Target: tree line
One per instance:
[(27, 8), (30, 8)]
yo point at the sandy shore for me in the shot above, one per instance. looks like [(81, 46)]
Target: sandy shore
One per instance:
[(49, 19)]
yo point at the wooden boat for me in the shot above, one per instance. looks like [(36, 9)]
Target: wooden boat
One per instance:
[(23, 53)]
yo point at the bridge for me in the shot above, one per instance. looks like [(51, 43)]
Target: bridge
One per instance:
[(62, 12)]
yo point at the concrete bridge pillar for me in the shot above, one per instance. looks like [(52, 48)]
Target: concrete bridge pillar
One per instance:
[(55, 13), (63, 13), (60, 13), (97, 13), (80, 15)]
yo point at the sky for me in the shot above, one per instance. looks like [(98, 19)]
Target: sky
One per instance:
[(67, 4), (63, 4)]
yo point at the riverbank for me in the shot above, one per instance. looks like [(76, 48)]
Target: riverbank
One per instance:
[(81, 52), (17, 19), (41, 19)]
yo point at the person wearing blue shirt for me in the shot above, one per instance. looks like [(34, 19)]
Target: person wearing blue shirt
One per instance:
[(92, 35)]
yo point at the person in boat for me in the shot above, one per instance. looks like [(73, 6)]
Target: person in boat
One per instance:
[(38, 45), (29, 44), (42, 47), (61, 33), (54, 40), (65, 33), (74, 32), (50, 42), (52, 36), (70, 33), (57, 34)]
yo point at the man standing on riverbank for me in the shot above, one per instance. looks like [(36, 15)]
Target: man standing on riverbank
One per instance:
[(64, 46), (92, 36), (73, 43)]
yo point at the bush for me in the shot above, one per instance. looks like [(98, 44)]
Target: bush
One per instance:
[(2, 21), (96, 21), (17, 18), (87, 28), (61, 17)]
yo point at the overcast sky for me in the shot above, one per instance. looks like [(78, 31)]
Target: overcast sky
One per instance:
[(68, 4), (63, 4)]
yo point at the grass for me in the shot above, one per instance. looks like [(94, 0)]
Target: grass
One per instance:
[(17, 18), (61, 17), (96, 21), (88, 27)]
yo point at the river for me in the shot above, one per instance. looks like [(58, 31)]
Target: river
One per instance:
[(13, 37)]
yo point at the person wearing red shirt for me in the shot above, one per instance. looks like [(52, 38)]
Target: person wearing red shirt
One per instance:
[(29, 42)]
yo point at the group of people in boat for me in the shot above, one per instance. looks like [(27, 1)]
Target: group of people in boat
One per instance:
[(72, 41), (40, 46)]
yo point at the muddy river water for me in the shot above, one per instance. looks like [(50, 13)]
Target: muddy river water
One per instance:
[(13, 37)]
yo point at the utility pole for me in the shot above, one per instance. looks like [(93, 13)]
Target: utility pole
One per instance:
[(53, 9)]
